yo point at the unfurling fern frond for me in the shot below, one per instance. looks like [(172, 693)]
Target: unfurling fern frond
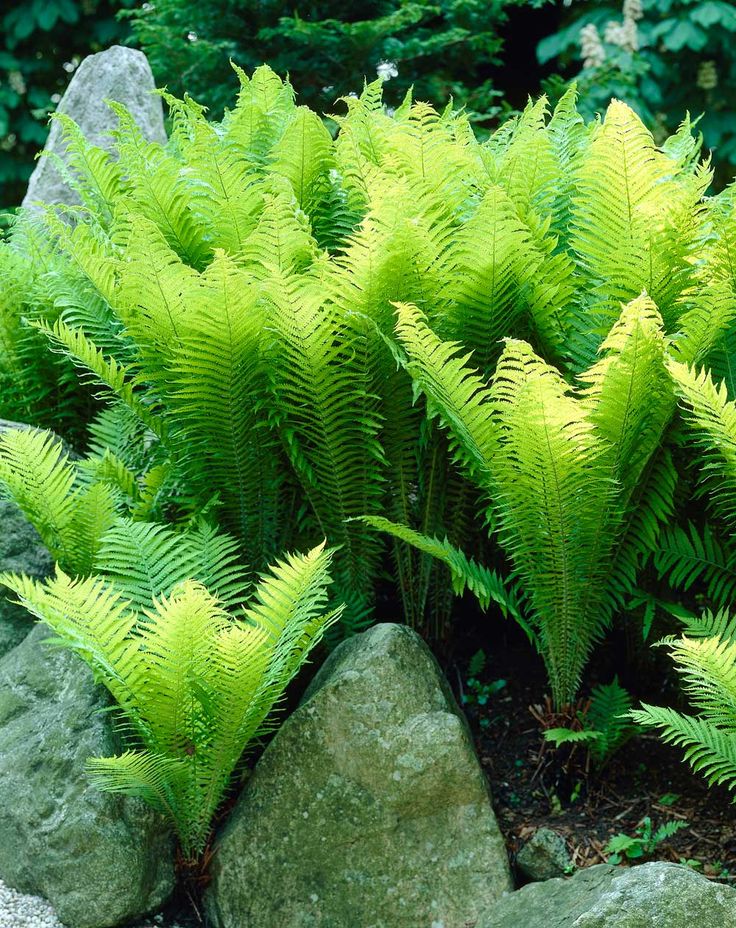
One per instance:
[(194, 682)]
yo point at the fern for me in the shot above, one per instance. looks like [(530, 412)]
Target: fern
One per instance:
[(227, 300), (559, 468), (195, 683)]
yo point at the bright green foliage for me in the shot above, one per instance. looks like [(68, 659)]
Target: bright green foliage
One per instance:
[(195, 682), (706, 660), (229, 298), (561, 468), (72, 506), (643, 843)]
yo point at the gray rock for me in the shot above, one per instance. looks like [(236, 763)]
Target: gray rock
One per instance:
[(99, 859), (21, 551), (544, 856), (655, 895), (368, 809), (118, 73)]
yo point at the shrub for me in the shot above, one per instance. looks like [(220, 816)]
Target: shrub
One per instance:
[(328, 48), (664, 57)]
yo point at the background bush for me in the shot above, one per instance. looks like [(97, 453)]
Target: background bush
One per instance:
[(41, 43), (663, 57), (444, 49)]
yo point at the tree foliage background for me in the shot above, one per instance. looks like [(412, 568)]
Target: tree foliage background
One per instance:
[(663, 57)]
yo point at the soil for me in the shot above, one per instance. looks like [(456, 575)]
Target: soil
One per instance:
[(587, 806)]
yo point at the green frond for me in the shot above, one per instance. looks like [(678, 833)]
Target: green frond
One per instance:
[(609, 716), (629, 391), (486, 585), (153, 778), (144, 561), (719, 625), (555, 497), (114, 378), (708, 670), (709, 750), (224, 441), (687, 557), (158, 188), (711, 417), (97, 176), (455, 393), (329, 420)]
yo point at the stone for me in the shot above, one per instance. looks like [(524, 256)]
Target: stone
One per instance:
[(544, 856), (654, 895), (119, 74), (368, 809), (21, 551), (99, 859)]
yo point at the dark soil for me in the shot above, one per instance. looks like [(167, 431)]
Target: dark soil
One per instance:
[(588, 807)]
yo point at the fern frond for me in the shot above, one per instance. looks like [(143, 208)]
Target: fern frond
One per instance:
[(709, 750), (686, 557), (486, 585)]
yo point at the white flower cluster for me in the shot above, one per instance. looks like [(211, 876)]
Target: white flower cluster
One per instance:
[(707, 75), (386, 70), (16, 81), (625, 34), (591, 48)]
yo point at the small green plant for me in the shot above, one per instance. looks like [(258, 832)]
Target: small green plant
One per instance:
[(477, 693), (643, 843), (195, 681), (604, 727)]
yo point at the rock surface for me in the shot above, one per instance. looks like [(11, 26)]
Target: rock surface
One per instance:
[(99, 859), (120, 74), (368, 809), (656, 895), (21, 551), (544, 856)]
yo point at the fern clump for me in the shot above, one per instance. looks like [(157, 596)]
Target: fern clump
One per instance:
[(196, 680), (562, 468), (229, 299)]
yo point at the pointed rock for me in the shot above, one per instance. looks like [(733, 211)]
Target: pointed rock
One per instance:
[(369, 808), (120, 74)]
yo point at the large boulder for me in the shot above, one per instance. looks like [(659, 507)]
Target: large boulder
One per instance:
[(656, 895), (368, 809), (21, 551), (100, 859), (119, 74)]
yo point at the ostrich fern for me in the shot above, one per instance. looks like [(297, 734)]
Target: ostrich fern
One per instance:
[(705, 657), (195, 681), (562, 468), (227, 298)]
